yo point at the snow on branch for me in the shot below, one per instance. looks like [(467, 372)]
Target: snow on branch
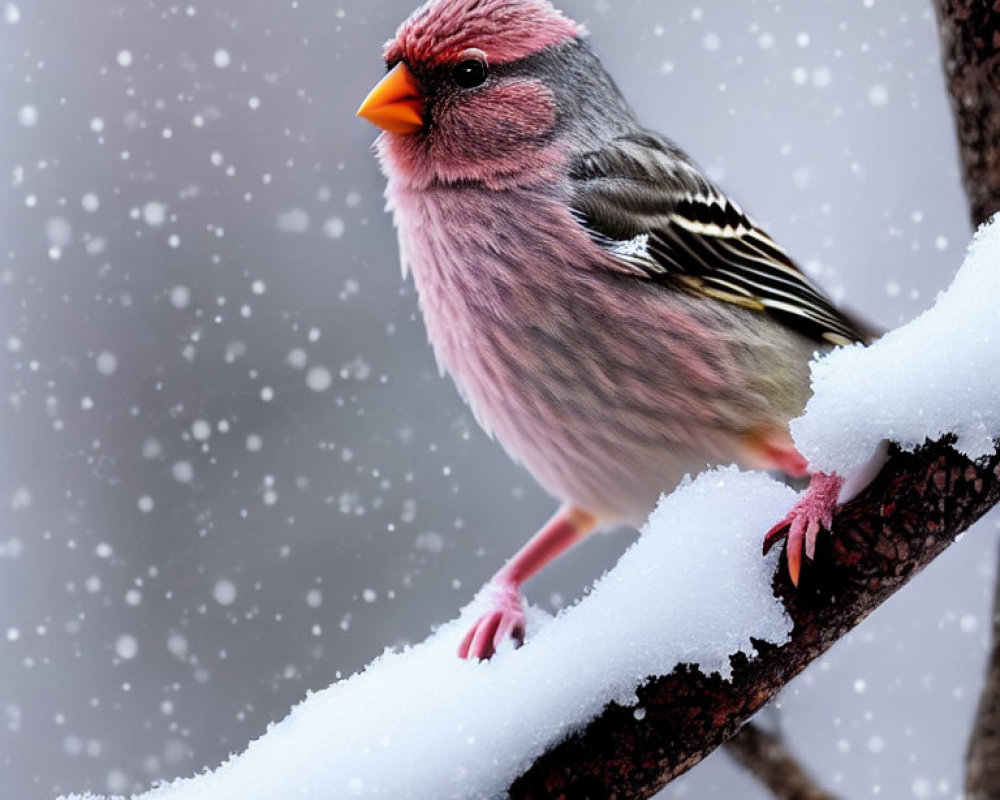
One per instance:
[(913, 511), (933, 386), (423, 723), (692, 632), (969, 32), (935, 376)]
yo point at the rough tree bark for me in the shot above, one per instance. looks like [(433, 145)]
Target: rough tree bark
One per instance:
[(970, 47), (907, 517), (982, 780), (912, 512)]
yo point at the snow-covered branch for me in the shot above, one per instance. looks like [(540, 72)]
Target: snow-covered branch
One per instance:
[(693, 631), (913, 512), (969, 33), (931, 386)]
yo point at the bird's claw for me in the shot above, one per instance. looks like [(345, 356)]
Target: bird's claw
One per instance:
[(505, 619), (801, 525), (801, 532)]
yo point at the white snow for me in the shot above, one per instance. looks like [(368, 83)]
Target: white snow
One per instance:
[(334, 227), (319, 378), (127, 647), (28, 116), (224, 592), (938, 374), (180, 296), (693, 589), (154, 213), (295, 220), (107, 363), (423, 723)]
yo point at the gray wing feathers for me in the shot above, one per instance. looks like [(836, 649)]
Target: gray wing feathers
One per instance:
[(642, 199)]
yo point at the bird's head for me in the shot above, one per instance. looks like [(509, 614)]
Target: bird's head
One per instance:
[(474, 90)]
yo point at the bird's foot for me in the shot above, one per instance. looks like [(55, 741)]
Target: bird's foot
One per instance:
[(505, 618), (812, 513)]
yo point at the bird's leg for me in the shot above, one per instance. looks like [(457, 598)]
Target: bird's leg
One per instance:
[(773, 448), (505, 616), (801, 525)]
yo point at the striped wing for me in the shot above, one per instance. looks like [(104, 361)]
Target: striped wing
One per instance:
[(644, 201)]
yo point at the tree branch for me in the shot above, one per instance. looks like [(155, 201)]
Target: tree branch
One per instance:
[(764, 754), (970, 45), (907, 517), (982, 776), (970, 49)]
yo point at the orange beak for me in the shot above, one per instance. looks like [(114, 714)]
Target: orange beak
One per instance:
[(394, 104)]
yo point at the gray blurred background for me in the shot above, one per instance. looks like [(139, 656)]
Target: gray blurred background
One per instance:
[(229, 472)]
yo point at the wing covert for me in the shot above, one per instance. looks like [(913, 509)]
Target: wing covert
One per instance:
[(642, 199)]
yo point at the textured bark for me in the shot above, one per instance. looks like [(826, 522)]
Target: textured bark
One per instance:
[(908, 516), (982, 777), (970, 40), (970, 48), (764, 754)]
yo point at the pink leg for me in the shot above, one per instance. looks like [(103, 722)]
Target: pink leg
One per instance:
[(505, 617), (774, 449), (802, 524)]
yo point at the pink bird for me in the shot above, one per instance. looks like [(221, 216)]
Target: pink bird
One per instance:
[(611, 317)]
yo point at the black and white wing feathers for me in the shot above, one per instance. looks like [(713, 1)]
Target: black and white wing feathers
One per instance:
[(643, 200)]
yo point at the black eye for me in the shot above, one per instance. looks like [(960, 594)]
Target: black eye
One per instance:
[(470, 73)]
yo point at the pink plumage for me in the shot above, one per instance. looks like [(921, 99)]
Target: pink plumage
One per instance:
[(508, 30), (604, 393), (612, 318)]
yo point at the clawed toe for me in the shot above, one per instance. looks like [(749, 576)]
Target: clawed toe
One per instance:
[(775, 535), (481, 641), (802, 525), (504, 621), (801, 531), (488, 633), (793, 552)]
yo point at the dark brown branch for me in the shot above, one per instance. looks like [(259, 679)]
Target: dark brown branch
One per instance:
[(907, 517), (970, 46), (982, 775), (970, 49), (764, 754)]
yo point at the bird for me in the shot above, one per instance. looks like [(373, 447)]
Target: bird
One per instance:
[(610, 315)]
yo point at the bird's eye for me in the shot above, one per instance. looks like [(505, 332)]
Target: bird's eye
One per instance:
[(471, 71)]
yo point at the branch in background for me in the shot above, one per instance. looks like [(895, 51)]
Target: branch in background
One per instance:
[(970, 49), (765, 755), (970, 46), (908, 516), (982, 775)]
